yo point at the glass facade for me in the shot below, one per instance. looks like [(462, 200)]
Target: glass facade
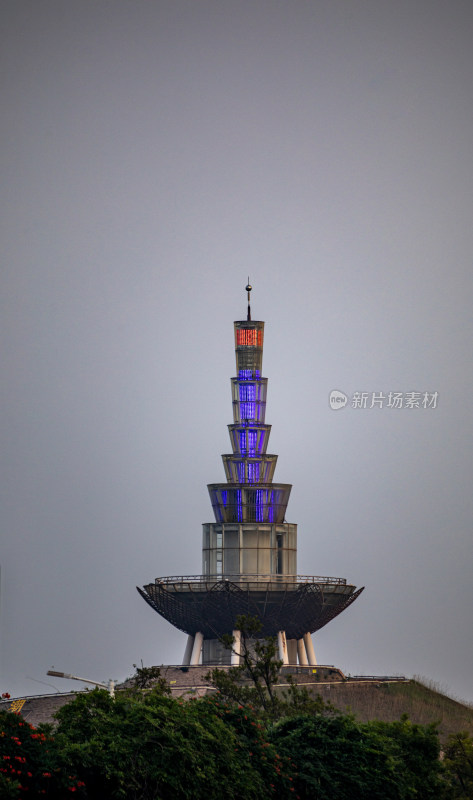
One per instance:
[(249, 400), (248, 502), (249, 440), (249, 347), (266, 543), (249, 549), (239, 469)]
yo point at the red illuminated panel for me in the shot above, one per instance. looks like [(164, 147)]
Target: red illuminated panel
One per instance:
[(249, 337)]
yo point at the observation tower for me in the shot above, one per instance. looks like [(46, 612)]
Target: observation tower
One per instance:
[(249, 554)]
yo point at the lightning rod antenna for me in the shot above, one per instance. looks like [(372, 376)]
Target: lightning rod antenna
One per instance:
[(248, 289)]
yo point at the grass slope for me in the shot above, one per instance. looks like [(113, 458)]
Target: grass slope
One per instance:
[(387, 701)]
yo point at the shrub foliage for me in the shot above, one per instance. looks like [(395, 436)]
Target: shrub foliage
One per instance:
[(242, 745)]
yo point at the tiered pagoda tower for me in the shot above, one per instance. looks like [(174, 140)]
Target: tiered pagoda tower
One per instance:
[(249, 553)]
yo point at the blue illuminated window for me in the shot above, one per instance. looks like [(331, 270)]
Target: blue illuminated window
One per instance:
[(242, 438), (247, 410), (259, 505), (247, 400), (247, 391), (252, 443), (241, 472), (253, 473), (247, 374), (239, 506)]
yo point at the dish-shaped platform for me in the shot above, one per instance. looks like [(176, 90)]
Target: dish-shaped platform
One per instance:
[(296, 604)]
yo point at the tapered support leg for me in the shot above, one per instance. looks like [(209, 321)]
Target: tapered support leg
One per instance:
[(235, 658), (186, 660), (310, 649), (301, 652), (282, 645), (197, 648)]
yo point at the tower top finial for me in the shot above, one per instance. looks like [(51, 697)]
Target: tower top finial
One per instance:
[(248, 289)]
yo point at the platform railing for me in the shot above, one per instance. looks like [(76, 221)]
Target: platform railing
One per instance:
[(251, 578)]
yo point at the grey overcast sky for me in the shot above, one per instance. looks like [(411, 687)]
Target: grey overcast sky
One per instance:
[(154, 154)]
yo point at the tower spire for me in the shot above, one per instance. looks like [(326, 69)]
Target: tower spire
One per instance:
[(248, 290)]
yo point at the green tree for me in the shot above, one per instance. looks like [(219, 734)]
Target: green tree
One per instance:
[(150, 746), (338, 758), (335, 760), (30, 763), (458, 764), (146, 745), (416, 749), (149, 678), (254, 681)]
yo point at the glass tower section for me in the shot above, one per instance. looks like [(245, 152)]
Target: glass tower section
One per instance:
[(250, 535)]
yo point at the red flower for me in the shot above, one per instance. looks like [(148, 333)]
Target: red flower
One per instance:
[(46, 774)]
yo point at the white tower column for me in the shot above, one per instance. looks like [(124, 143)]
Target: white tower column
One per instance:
[(186, 659), (282, 645), (236, 650), (301, 652), (292, 651), (196, 650), (310, 649)]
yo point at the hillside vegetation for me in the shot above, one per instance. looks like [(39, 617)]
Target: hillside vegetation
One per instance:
[(249, 740), (388, 701)]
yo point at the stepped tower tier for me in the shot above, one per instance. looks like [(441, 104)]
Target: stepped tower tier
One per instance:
[(249, 494), (249, 554), (247, 469)]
